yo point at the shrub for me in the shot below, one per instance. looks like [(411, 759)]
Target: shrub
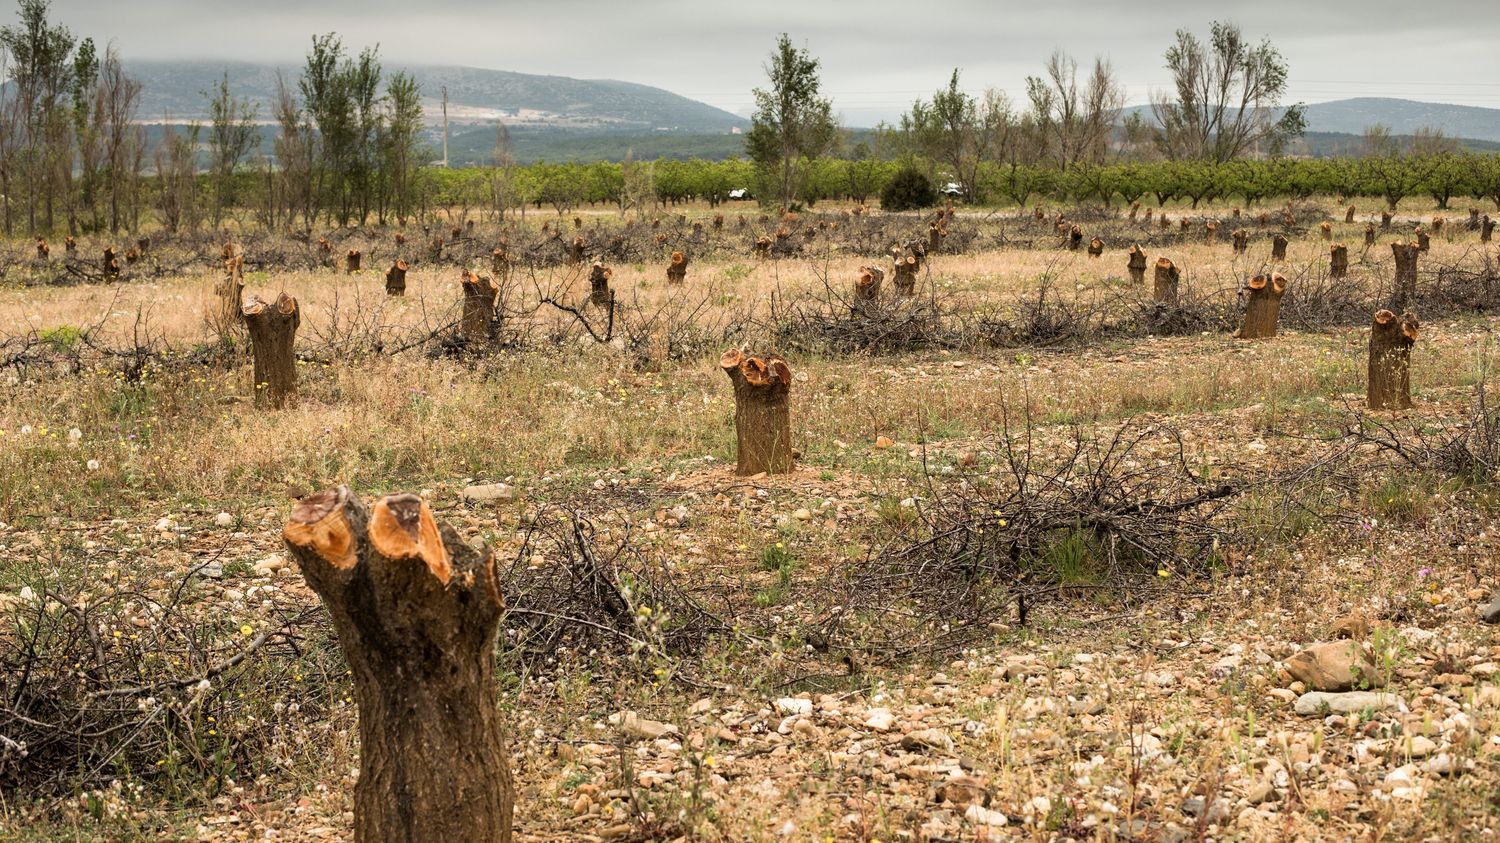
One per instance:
[(908, 190)]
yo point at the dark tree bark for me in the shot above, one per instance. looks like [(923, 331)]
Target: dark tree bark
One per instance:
[(1075, 238), (1338, 261), (1135, 209), (1486, 229), (351, 261), (478, 320), (1137, 264), (1096, 247), (599, 292), (43, 251), (1167, 276), (1389, 376), (110, 264), (1164, 221), (1278, 247), (1369, 234), (273, 329), (395, 278), (677, 269), (1262, 307), (1405, 289), (762, 413), (576, 251), (1241, 240), (417, 612), (867, 290), (500, 262)]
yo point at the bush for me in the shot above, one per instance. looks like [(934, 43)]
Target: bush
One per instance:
[(908, 190)]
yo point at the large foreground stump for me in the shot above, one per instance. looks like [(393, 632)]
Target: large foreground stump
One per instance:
[(1164, 290), (1338, 261), (762, 414), (1405, 289), (1136, 265), (395, 278), (273, 328), (1389, 377), (417, 612), (478, 319), (1262, 307)]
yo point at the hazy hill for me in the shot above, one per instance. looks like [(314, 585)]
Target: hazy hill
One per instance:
[(1403, 117), (176, 88)]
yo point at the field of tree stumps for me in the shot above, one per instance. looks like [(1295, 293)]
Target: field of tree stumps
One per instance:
[(709, 523)]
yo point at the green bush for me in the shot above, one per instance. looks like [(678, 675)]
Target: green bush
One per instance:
[(908, 190)]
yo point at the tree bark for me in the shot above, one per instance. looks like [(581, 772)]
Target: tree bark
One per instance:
[(599, 284), (1262, 307), (906, 274), (1486, 229), (1075, 237), (1389, 376), (351, 261), (1385, 220), (1135, 208), (1137, 264), (576, 251), (227, 309), (1405, 289), (110, 264), (1241, 240), (1278, 247), (1338, 261), (935, 235), (677, 269), (762, 414), (395, 278), (1167, 276), (477, 322), (273, 329), (417, 612), (500, 262), (42, 249)]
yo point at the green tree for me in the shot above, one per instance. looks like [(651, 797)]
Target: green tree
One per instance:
[(959, 131), (42, 72), (232, 135), (402, 154), (792, 122)]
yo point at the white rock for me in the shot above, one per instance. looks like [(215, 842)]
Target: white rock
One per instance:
[(270, 565), (1313, 703), (980, 815), (489, 492), (880, 720), (223, 519), (788, 706), (165, 524)]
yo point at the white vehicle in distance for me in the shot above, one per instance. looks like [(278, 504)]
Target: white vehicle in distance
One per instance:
[(952, 188), (739, 193)]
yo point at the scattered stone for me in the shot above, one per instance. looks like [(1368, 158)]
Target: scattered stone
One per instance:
[(270, 565), (963, 790), (639, 728), (1317, 703), (489, 492), (789, 706), (224, 519), (883, 442), (924, 739), (1354, 627), (880, 720), (1333, 666), (980, 815), (1491, 612)]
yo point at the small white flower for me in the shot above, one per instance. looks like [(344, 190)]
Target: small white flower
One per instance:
[(25, 430), (75, 434), (93, 465)]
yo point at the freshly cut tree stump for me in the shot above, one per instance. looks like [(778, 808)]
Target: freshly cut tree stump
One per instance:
[(400, 240), (1486, 229), (1184, 225), (1096, 247), (500, 262), (1438, 223), (42, 249), (455, 234), (478, 319), (1211, 233), (762, 246), (677, 269), (395, 278), (1385, 220), (577, 223), (132, 255), (599, 292), (351, 261), (867, 290), (1137, 264), (227, 309), (1338, 261), (1037, 214), (70, 246), (1369, 234), (697, 235), (109, 263), (1389, 375), (935, 234), (1349, 214), (576, 251), (417, 612), (1473, 223), (906, 272), (1278, 247), (1424, 242), (1075, 237), (1241, 240), (718, 222), (435, 249), (1165, 221), (1165, 288), (273, 328), (1405, 289), (1262, 307), (1235, 213), (762, 414), (325, 252), (1327, 231)]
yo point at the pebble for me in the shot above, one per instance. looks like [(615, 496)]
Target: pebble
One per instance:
[(489, 492), (1350, 702), (223, 519)]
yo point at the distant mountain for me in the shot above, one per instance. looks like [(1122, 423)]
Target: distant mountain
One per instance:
[(1402, 117), (475, 95)]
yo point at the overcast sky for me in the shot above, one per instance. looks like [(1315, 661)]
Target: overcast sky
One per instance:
[(877, 55)]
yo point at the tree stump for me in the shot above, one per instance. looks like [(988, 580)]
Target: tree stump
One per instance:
[(1037, 214), (227, 309), (1135, 209), (500, 262), (762, 414), (1096, 247), (1148, 216), (400, 240), (417, 612), (1473, 224), (762, 247), (906, 273), (1437, 224), (1389, 375), (718, 222), (1424, 242), (1184, 225), (1349, 214), (70, 246), (1278, 247), (1262, 307), (109, 264), (455, 234), (599, 292), (1165, 289), (1165, 221), (1240, 239), (1338, 261), (395, 279), (1385, 220), (1210, 233), (1369, 234), (677, 269), (144, 245), (132, 255), (478, 319), (1235, 213), (867, 290), (1486, 229), (273, 328), (1136, 265), (1075, 237), (435, 249), (935, 235), (351, 261), (1405, 289), (697, 235), (576, 251), (1327, 231), (43, 251)]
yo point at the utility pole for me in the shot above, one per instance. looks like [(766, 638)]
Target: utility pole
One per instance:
[(445, 125)]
